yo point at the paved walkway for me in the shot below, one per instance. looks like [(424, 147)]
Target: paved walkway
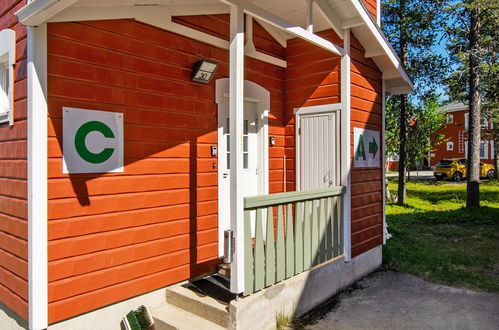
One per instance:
[(389, 300), (414, 174)]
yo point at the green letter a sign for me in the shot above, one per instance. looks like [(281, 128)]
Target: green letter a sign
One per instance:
[(361, 152)]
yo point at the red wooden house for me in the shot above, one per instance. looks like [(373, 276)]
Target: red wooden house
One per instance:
[(143, 141), (456, 133)]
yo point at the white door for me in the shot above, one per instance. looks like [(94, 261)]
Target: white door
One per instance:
[(318, 150), (252, 158)]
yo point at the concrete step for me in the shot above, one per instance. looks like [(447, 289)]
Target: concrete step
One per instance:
[(199, 304), (168, 317)]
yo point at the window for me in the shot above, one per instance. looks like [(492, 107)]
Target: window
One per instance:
[(450, 146), (450, 119), (466, 121), (484, 152), (483, 123), (7, 56)]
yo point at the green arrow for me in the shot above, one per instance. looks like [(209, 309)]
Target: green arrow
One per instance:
[(373, 147)]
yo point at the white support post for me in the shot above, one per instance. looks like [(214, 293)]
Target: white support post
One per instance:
[(310, 16), (236, 105), (383, 157), (37, 178), (345, 143)]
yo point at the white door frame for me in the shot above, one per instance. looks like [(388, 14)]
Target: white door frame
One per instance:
[(314, 110), (259, 95)]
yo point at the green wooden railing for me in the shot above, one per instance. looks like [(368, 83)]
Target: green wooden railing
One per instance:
[(308, 231)]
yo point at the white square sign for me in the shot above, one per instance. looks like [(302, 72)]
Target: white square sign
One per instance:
[(92, 141), (367, 148)]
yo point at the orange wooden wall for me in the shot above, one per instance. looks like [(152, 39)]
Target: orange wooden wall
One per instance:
[(13, 179), (371, 6), (313, 78), (114, 236), (367, 196)]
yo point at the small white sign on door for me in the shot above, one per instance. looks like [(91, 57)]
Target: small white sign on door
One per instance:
[(367, 148), (92, 141)]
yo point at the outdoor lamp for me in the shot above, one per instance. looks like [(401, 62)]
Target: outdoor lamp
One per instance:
[(204, 71)]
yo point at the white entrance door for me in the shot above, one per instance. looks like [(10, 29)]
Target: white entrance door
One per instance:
[(254, 159), (318, 149)]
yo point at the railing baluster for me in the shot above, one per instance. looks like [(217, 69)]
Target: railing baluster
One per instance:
[(329, 229), (336, 228), (342, 225), (315, 233), (322, 231), (290, 249), (299, 238), (279, 246), (248, 256), (259, 252), (307, 239), (269, 249)]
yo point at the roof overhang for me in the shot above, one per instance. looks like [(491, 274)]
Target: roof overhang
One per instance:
[(336, 14)]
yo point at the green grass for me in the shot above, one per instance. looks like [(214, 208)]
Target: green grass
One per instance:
[(436, 237)]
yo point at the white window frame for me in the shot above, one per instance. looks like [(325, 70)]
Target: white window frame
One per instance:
[(450, 119), (484, 146), (7, 61), (483, 123), (450, 146)]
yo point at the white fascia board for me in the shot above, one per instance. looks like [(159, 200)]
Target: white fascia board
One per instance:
[(37, 178), (286, 26), (330, 16), (38, 12), (383, 43)]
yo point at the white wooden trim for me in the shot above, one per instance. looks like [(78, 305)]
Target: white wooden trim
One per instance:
[(310, 16), (236, 111), (315, 109), (38, 12), (383, 157), (37, 178), (286, 26), (250, 50), (310, 111), (378, 12), (345, 143), (382, 43), (330, 16), (8, 51)]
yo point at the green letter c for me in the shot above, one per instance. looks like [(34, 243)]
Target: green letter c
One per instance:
[(81, 147)]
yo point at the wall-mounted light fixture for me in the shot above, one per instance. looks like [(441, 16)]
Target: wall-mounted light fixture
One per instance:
[(203, 71), (272, 141)]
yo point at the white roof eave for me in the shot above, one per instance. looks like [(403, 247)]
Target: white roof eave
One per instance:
[(374, 41)]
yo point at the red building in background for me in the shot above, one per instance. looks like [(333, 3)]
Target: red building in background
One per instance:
[(456, 131)]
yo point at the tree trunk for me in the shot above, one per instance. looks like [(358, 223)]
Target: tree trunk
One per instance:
[(496, 152), (473, 183), (401, 193)]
